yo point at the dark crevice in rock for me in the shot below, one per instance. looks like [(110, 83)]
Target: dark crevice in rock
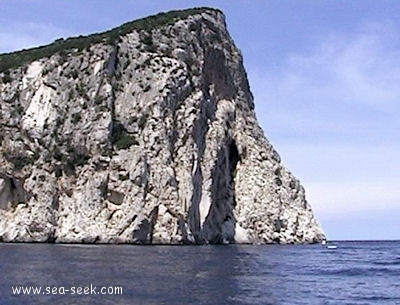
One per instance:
[(187, 238), (194, 212), (144, 234), (219, 224), (200, 128), (19, 159), (55, 204), (111, 64), (119, 136), (115, 197), (12, 192), (76, 156), (51, 239), (127, 225), (110, 68), (217, 74), (234, 158)]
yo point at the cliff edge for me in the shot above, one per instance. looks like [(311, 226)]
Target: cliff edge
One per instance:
[(142, 134)]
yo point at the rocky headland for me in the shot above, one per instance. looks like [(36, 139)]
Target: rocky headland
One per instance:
[(143, 134)]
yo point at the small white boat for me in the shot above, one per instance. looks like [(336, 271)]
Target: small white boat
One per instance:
[(331, 247)]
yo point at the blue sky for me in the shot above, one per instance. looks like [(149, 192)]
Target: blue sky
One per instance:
[(325, 76)]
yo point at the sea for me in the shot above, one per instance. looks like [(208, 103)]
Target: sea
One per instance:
[(342, 272)]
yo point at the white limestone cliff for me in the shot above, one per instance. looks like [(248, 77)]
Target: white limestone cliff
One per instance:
[(152, 138)]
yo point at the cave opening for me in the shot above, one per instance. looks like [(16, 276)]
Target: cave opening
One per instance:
[(234, 159), (219, 226)]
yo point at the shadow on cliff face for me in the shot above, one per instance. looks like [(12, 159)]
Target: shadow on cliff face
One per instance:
[(12, 192), (207, 113), (219, 226), (217, 73), (144, 234)]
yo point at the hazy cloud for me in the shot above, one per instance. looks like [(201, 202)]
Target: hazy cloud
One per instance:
[(345, 85), (332, 113), (22, 35), (361, 68)]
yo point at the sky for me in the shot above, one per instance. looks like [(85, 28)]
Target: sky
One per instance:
[(325, 76)]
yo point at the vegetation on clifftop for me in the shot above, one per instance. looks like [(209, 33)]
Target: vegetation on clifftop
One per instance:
[(19, 58)]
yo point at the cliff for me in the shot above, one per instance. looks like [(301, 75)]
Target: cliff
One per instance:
[(143, 134)]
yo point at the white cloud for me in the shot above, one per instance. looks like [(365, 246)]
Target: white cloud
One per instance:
[(347, 84), (345, 178), (342, 179), (343, 198), (333, 114), (328, 161), (363, 225), (364, 68)]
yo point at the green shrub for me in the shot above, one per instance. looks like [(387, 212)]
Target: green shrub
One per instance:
[(20, 109), (127, 63), (81, 90), (75, 156), (98, 100), (123, 177), (75, 74), (6, 78), (61, 46), (147, 39), (18, 159), (120, 138), (75, 118), (125, 141)]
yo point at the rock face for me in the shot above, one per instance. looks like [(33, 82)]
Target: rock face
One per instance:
[(144, 136)]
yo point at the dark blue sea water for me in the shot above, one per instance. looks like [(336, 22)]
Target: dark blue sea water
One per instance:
[(353, 273)]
